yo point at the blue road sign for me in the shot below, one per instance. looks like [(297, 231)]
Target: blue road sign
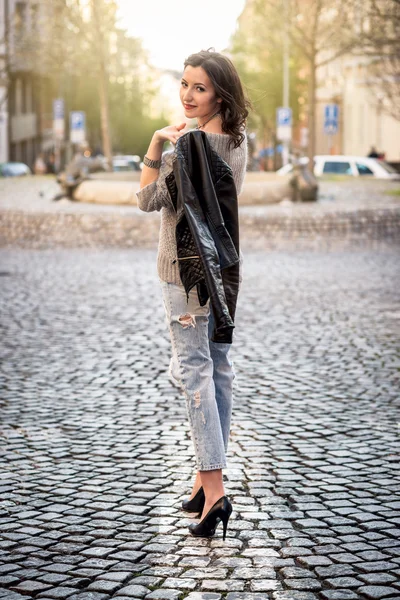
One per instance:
[(58, 108), (283, 117), (331, 119), (77, 127)]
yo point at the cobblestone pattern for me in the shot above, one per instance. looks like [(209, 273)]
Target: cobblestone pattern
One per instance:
[(96, 454)]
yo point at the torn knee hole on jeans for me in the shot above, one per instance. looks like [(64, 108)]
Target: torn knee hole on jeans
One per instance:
[(187, 320), (197, 399)]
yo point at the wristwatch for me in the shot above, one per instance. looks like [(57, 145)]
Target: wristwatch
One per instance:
[(153, 164)]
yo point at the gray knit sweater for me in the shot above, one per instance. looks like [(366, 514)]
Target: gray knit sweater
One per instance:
[(155, 196)]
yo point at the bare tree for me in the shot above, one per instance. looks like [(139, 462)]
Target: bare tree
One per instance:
[(382, 44), (102, 20), (320, 31)]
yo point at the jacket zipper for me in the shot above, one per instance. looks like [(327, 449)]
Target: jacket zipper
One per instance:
[(184, 258)]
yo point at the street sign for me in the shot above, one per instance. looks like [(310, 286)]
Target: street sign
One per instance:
[(331, 119), (58, 119), (284, 124), (283, 117), (77, 126)]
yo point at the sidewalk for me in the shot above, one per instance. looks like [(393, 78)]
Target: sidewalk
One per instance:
[(96, 455)]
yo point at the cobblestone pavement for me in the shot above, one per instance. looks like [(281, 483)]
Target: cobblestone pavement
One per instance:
[(96, 454)]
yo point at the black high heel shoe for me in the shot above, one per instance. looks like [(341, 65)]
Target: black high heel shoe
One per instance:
[(221, 511), (196, 504)]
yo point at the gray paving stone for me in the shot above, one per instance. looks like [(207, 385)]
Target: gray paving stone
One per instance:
[(227, 585), (133, 590), (314, 561), (30, 587), (59, 592), (103, 585), (377, 578), (374, 592), (180, 582), (89, 596), (293, 595), (264, 585), (203, 596), (338, 595), (244, 596), (343, 582), (164, 595), (303, 584)]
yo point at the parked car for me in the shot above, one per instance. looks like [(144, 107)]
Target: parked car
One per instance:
[(126, 162), (14, 169), (355, 166)]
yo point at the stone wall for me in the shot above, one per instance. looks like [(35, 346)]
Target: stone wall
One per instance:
[(44, 230)]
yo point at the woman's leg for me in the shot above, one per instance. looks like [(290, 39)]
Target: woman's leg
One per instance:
[(223, 376), (192, 367)]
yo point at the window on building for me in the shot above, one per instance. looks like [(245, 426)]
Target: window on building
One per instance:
[(363, 169), (28, 97), (19, 19), (19, 99), (34, 17), (337, 168)]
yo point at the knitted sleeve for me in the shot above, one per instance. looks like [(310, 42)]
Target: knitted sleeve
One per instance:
[(240, 167), (155, 195)]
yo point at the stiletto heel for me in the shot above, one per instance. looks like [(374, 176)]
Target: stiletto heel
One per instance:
[(196, 504), (221, 511), (225, 526)]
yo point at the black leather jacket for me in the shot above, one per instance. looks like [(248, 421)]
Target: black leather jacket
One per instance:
[(203, 192)]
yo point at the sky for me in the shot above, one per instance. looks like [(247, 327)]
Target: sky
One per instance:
[(173, 29)]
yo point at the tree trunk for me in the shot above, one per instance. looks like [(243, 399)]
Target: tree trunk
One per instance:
[(103, 87), (312, 112), (104, 115)]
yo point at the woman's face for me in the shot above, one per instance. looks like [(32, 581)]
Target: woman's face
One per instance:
[(197, 94)]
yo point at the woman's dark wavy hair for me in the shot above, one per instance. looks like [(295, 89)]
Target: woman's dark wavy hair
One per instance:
[(227, 84)]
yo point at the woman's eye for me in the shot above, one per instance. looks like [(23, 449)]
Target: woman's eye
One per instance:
[(200, 89), (183, 83)]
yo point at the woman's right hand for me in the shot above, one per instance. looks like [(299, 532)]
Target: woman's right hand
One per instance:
[(171, 133)]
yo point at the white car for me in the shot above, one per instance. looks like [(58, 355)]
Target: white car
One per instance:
[(355, 166), (126, 162)]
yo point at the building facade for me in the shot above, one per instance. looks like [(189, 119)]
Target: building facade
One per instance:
[(363, 120), (25, 121)]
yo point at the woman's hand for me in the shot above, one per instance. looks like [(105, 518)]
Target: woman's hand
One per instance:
[(171, 133)]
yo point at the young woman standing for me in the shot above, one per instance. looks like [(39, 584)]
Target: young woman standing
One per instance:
[(212, 93)]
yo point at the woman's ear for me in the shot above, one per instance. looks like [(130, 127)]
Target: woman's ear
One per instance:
[(219, 100)]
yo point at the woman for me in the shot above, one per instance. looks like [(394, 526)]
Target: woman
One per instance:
[(210, 92)]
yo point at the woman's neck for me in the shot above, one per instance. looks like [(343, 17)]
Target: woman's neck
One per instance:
[(212, 124)]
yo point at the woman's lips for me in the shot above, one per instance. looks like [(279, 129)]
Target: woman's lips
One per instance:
[(189, 106)]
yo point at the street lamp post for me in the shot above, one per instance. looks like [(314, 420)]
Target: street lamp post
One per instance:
[(286, 143)]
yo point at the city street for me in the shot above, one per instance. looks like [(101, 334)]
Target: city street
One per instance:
[(95, 449)]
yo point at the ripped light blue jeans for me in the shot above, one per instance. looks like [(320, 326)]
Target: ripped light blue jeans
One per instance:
[(203, 371)]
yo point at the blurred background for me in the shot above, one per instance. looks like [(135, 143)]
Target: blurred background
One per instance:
[(99, 76)]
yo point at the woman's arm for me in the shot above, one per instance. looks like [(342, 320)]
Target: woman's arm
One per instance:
[(154, 152), (153, 193)]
